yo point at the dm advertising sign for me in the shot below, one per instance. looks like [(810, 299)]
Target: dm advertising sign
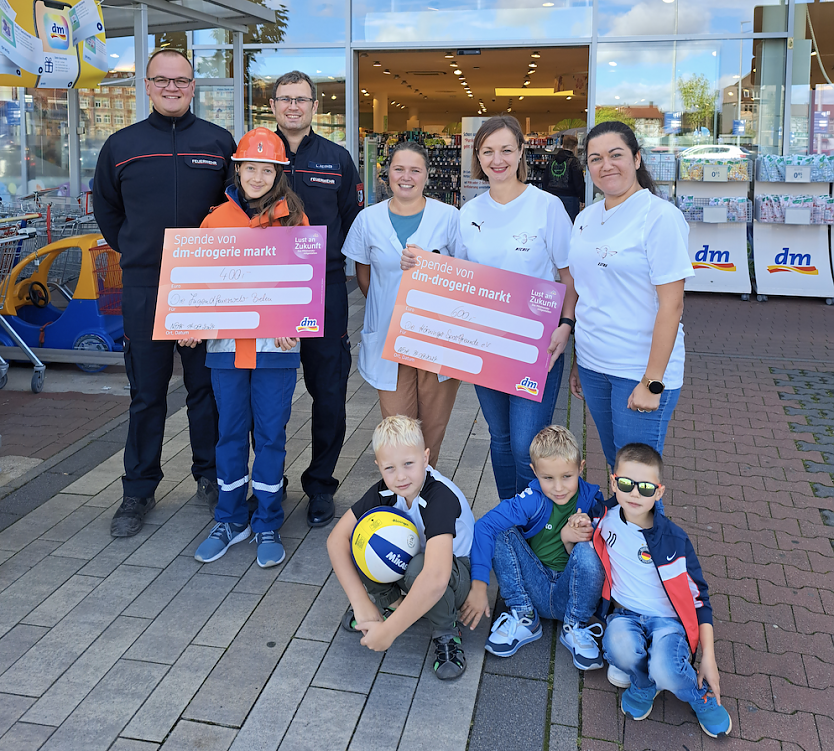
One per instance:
[(241, 283), (793, 260), (52, 44), (476, 323)]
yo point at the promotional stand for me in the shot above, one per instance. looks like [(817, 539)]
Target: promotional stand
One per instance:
[(713, 197), (791, 246)]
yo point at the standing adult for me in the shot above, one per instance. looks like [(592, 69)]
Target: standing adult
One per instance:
[(629, 260), (324, 176), (563, 177), (516, 227), (376, 242), (166, 171)]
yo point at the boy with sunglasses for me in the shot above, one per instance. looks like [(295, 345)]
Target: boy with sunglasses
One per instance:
[(661, 601)]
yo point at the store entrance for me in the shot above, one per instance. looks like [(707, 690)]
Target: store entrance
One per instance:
[(424, 95)]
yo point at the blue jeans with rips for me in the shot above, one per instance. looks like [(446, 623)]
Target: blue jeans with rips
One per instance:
[(653, 651), (570, 596)]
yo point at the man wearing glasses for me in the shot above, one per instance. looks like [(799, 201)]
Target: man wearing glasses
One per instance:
[(323, 174), (166, 171)]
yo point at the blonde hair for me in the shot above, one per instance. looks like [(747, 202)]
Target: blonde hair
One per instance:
[(397, 430), (557, 441)]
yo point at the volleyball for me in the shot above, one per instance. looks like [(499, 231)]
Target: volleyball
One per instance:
[(382, 544)]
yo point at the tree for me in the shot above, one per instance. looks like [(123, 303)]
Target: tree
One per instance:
[(698, 98), (606, 114)]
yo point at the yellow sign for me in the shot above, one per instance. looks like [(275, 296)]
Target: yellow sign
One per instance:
[(52, 44)]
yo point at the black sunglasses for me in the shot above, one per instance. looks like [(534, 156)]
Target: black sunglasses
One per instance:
[(626, 485)]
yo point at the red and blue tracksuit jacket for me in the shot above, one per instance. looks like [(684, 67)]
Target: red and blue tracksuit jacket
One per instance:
[(676, 563)]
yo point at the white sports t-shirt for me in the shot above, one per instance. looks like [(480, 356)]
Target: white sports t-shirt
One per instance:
[(616, 266), (529, 235), (635, 583)]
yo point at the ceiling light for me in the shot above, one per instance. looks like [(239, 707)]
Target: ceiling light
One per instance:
[(333, 96), (453, 64), (367, 94), (616, 97), (377, 64), (729, 93), (457, 72), (613, 64), (520, 98), (535, 55), (387, 72), (532, 65), (448, 56), (396, 76), (568, 98), (668, 2), (813, 54), (526, 83), (547, 5), (363, 90), (470, 95)]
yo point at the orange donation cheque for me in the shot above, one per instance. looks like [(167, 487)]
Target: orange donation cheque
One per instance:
[(476, 323), (241, 283)]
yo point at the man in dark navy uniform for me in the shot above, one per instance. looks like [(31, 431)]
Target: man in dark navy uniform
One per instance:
[(324, 175)]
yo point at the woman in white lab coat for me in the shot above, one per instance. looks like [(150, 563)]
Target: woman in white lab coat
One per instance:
[(376, 242)]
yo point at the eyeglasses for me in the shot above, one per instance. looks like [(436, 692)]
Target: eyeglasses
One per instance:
[(300, 100), (626, 485), (162, 83)]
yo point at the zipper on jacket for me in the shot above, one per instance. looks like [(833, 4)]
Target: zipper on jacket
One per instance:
[(176, 170)]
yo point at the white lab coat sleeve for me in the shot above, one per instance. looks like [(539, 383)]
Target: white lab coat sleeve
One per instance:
[(356, 244)]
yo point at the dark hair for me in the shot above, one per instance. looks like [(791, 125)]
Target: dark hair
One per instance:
[(570, 142), (169, 51), (410, 146), (640, 453), (280, 189), (294, 76), (644, 177), (494, 124)]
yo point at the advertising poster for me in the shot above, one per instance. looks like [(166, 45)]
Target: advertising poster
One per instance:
[(469, 188), (476, 323), (52, 44), (241, 283)]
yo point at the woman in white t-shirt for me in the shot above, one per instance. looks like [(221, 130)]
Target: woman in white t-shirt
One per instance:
[(628, 258), (516, 227), (376, 241)]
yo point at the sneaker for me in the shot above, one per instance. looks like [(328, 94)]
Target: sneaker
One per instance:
[(712, 717), (130, 516), (449, 661), (582, 645), (637, 703), (270, 550), (348, 622), (220, 539), (207, 494), (617, 677), (511, 632)]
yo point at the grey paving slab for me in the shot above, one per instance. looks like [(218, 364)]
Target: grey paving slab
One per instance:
[(325, 719), (73, 523), (164, 588), (310, 564), (172, 501), (407, 654), (563, 738), (97, 721), (43, 518), (228, 619), (34, 493), (127, 744), (181, 620), (17, 642), (109, 495), (30, 555), (511, 713), (531, 661), (6, 521), (188, 736), (160, 712), (11, 710), (324, 617), (384, 714), (348, 666), (564, 707), (233, 686), (295, 522), (95, 537), (257, 580), (273, 711), (85, 673), (62, 600), (25, 737), (5, 555), (113, 553), (166, 543)]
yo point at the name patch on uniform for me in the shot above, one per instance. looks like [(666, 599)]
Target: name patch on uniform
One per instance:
[(204, 162), (323, 165), (324, 180)]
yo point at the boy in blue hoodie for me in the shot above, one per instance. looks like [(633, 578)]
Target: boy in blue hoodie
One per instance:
[(544, 565)]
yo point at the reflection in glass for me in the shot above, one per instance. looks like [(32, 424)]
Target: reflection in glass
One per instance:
[(217, 105), (46, 138), (213, 64)]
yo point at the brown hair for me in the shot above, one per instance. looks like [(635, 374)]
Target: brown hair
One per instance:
[(644, 177), (570, 142), (280, 190), (169, 51), (640, 453), (494, 124), (410, 146), (294, 76)]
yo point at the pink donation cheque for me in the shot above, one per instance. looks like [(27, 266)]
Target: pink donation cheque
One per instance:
[(241, 283), (476, 323)]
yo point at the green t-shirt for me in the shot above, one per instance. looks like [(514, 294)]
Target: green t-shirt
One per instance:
[(547, 544)]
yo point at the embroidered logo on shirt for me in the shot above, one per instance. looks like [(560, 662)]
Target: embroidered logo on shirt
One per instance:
[(604, 252), (524, 238), (643, 555)]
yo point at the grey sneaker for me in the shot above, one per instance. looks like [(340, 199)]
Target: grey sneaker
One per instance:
[(130, 516), (220, 539)]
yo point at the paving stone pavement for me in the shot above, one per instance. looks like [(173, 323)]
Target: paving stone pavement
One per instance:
[(131, 645)]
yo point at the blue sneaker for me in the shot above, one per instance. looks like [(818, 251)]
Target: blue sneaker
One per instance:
[(220, 539), (270, 550), (510, 632), (712, 717), (637, 703)]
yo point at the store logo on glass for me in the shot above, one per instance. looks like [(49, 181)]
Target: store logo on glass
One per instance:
[(528, 385), (58, 31), (799, 263)]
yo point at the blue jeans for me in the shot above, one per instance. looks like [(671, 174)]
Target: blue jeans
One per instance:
[(261, 397), (653, 651), (513, 423), (570, 596)]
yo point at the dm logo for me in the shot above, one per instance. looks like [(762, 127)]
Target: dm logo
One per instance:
[(57, 30), (797, 262), (308, 324), (531, 387), (718, 260)]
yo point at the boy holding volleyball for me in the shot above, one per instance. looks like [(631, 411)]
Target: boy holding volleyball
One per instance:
[(544, 564), (436, 580)]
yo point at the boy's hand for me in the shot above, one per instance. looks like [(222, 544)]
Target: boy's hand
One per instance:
[(376, 635), (286, 343), (578, 529), (476, 605), (579, 519), (708, 670)]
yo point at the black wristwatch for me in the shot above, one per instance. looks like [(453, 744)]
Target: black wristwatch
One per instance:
[(569, 321), (654, 387)]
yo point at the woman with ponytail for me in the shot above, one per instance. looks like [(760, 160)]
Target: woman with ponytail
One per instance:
[(629, 259)]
